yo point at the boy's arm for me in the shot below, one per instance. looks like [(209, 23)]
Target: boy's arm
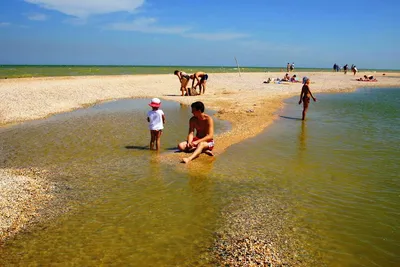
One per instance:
[(163, 118), (191, 132), (148, 119), (193, 81), (312, 95), (198, 81)]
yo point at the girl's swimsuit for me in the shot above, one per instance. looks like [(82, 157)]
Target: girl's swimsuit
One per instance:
[(185, 75)]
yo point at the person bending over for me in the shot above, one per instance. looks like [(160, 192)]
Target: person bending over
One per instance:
[(201, 79), (184, 80)]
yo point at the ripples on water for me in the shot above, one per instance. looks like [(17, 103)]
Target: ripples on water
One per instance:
[(336, 176), (339, 169)]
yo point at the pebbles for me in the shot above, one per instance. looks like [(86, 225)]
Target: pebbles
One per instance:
[(256, 231), (23, 193)]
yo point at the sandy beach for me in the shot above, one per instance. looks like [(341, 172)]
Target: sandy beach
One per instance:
[(245, 101)]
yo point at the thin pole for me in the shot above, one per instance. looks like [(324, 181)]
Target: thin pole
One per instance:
[(238, 66)]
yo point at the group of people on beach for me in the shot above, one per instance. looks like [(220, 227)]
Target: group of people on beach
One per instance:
[(195, 143), (290, 67), (200, 138), (199, 77), (353, 68)]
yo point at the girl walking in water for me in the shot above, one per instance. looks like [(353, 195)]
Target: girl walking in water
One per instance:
[(305, 96)]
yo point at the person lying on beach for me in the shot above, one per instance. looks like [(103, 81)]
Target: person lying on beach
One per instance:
[(203, 124), (286, 78), (293, 79), (305, 97), (269, 80), (183, 79), (201, 79), (368, 78)]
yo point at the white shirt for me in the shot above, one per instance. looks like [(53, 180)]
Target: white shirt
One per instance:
[(156, 122)]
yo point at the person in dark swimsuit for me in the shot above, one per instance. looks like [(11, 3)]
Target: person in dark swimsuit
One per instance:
[(305, 96), (184, 80), (201, 78)]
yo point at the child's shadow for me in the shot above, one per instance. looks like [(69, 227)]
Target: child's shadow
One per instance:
[(172, 95), (138, 147), (146, 147), (290, 118)]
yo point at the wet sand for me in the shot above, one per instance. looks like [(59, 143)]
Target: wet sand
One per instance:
[(245, 101)]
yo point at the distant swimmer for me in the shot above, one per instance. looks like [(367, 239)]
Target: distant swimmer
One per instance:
[(305, 96)]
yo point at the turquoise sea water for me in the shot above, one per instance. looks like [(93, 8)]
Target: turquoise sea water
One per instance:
[(336, 176), (16, 71)]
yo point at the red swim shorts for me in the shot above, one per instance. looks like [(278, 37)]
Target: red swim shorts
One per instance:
[(209, 143)]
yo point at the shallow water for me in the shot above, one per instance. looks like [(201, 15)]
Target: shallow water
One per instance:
[(339, 170), (128, 206), (336, 176)]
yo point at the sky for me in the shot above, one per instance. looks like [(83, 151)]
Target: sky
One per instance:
[(264, 33)]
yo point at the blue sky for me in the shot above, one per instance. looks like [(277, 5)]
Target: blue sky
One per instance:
[(270, 33)]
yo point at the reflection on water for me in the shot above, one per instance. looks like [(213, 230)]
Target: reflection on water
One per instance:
[(129, 207), (339, 172), (302, 138), (330, 185)]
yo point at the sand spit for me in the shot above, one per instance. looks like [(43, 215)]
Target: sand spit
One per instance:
[(248, 103)]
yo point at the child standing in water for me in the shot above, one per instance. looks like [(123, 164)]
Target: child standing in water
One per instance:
[(156, 119), (305, 96)]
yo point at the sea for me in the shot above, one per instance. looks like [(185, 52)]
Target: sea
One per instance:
[(335, 177), (27, 71)]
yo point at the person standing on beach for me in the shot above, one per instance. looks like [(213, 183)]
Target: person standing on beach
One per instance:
[(345, 67), (203, 124), (292, 67), (184, 80), (305, 96), (354, 70), (201, 79), (156, 119), (288, 67)]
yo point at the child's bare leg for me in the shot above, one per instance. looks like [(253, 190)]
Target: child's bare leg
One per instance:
[(151, 140), (158, 142), (183, 86), (204, 87), (305, 108)]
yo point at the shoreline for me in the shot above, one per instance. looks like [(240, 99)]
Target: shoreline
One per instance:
[(245, 102)]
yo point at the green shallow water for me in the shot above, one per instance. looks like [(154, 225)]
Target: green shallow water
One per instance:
[(340, 172), (335, 177), (18, 71)]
